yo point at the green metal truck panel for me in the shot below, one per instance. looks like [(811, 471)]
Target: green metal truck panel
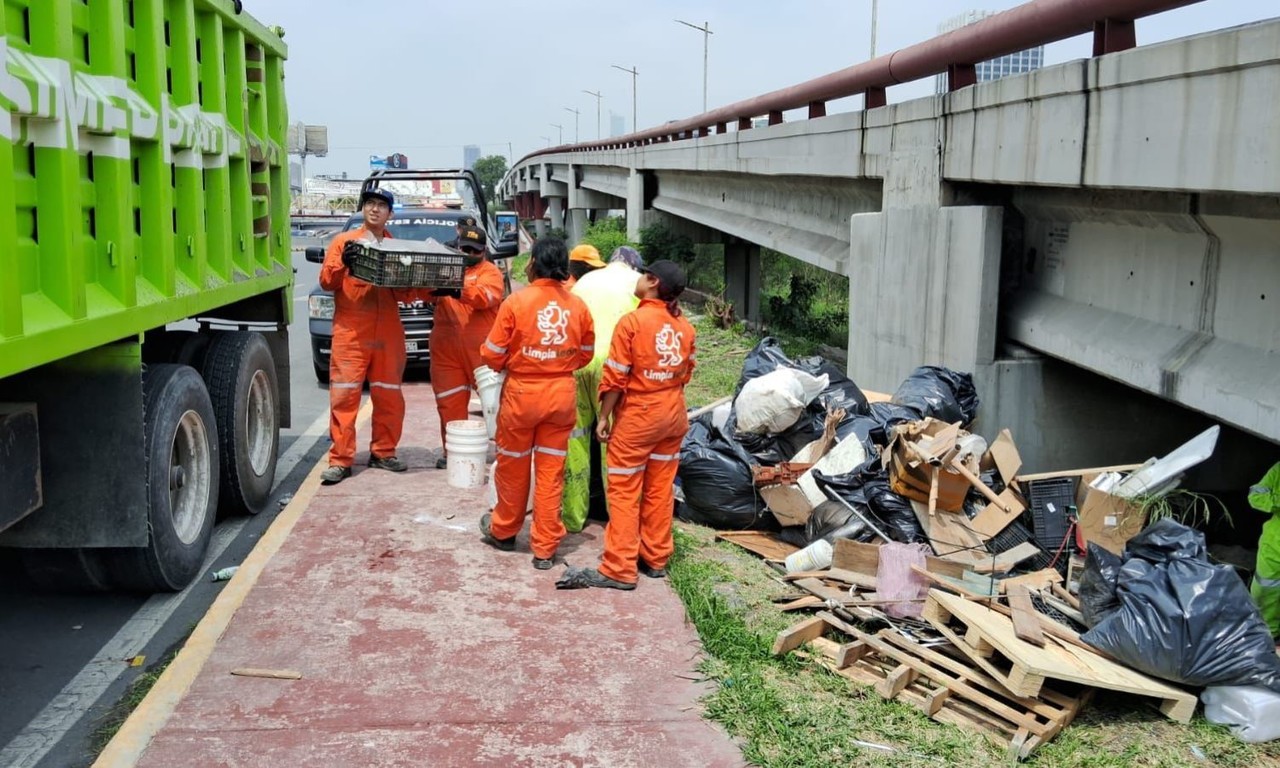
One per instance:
[(143, 170)]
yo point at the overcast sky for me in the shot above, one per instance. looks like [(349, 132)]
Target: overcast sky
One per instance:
[(427, 77)]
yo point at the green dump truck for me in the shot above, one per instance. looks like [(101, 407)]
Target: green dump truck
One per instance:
[(145, 283)]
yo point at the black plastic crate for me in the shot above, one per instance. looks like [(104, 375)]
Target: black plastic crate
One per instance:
[(1016, 533), (1049, 501), (409, 264)]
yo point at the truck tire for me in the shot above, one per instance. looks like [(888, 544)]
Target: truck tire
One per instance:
[(65, 570), (181, 447), (322, 374), (241, 375)]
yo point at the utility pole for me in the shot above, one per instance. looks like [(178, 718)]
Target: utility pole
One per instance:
[(705, 29), (575, 123), (635, 126), (875, 12), (597, 95), (560, 136)]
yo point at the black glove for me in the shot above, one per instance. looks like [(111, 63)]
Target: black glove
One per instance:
[(453, 293), (349, 252)]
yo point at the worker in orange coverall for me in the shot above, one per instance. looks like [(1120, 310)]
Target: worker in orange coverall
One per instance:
[(542, 335), (463, 319), (650, 361), (368, 343)]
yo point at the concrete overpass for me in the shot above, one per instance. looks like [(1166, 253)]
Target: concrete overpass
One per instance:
[(1118, 215)]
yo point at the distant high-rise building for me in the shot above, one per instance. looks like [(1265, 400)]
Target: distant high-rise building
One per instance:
[(617, 124), (1011, 64), (470, 154)]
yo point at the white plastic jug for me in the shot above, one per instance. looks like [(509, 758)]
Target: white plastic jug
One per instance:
[(1250, 711), (489, 384), (814, 557), (467, 443)]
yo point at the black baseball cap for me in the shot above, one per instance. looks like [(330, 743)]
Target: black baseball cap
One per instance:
[(466, 220), (671, 279), (472, 237)]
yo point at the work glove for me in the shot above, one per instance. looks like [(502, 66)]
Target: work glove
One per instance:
[(452, 293), (349, 252)]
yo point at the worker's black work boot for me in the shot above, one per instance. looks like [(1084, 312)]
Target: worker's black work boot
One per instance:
[(506, 545), (580, 578), (650, 571), (442, 462), (543, 564), (389, 463)]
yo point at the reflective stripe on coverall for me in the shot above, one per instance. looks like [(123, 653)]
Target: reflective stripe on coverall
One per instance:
[(609, 293), (542, 335), (368, 342), (1265, 497), (459, 329), (650, 361)]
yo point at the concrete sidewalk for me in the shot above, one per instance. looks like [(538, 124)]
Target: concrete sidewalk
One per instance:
[(418, 645)]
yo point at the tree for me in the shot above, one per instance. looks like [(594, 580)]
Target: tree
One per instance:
[(490, 169)]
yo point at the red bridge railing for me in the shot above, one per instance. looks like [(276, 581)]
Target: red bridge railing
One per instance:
[(955, 53)]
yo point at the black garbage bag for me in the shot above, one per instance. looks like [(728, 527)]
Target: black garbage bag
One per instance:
[(1184, 619), (1098, 584), (884, 417), (841, 392), (832, 520), (894, 512), (715, 478), (940, 393)]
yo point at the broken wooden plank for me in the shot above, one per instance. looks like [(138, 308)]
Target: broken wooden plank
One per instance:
[(1005, 455), (1065, 596), (802, 603), (274, 674), (951, 535), (1025, 623), (1037, 580), (972, 586), (797, 635), (1077, 472), (997, 516), (765, 545), (858, 557), (1007, 559)]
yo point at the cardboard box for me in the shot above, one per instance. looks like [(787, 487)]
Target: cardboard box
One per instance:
[(1109, 521)]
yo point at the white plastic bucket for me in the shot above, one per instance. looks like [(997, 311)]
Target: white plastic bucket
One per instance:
[(489, 385), (814, 557), (467, 443), (493, 487)]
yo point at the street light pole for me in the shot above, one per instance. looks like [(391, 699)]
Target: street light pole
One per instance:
[(705, 29), (635, 126), (597, 95), (875, 11), (560, 136), (575, 123)]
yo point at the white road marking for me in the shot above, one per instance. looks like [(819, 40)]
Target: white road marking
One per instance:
[(48, 728)]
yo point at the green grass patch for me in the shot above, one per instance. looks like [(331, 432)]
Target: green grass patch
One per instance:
[(111, 722), (791, 712), (720, 356), (518, 266)]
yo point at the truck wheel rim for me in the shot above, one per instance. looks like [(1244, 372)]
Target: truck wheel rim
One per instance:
[(260, 423), (190, 477)]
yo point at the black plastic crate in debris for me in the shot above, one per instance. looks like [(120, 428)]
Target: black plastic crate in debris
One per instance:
[(1049, 503), (409, 264), (1016, 533)]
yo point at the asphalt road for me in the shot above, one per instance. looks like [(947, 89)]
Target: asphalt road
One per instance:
[(64, 659)]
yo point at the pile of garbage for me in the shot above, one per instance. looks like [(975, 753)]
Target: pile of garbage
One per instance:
[(885, 511)]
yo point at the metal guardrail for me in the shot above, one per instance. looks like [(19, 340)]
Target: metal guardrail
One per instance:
[(955, 53)]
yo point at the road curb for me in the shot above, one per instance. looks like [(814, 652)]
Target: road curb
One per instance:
[(131, 741)]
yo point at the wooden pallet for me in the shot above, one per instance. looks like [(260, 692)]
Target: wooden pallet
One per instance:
[(946, 689), (765, 545), (990, 642)]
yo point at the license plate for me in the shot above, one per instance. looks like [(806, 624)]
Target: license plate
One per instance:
[(411, 346)]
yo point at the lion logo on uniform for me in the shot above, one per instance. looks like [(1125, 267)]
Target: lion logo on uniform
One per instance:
[(668, 346), (552, 321)]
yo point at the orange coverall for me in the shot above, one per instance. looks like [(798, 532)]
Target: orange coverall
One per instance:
[(460, 328), (368, 342), (542, 335), (650, 361)]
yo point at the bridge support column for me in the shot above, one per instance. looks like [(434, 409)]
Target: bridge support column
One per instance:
[(742, 279), (635, 205), (576, 226), (555, 212)]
